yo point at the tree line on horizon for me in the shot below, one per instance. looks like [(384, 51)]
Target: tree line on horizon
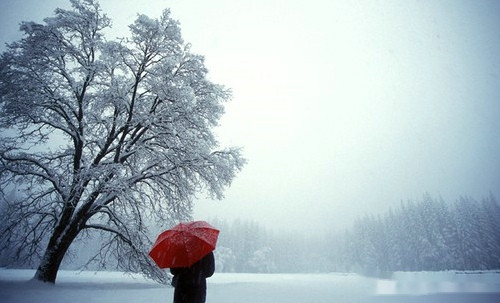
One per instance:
[(425, 235)]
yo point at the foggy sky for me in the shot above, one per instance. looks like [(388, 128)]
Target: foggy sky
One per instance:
[(342, 107)]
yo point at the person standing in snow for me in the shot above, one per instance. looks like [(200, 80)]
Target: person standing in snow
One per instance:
[(190, 282)]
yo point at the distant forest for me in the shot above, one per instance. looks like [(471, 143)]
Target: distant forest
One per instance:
[(429, 235)]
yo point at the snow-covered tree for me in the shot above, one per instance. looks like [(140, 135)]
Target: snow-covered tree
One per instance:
[(426, 235), (224, 259), (491, 229), (104, 135), (262, 261)]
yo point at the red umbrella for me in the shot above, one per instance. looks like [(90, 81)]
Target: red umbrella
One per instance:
[(184, 244)]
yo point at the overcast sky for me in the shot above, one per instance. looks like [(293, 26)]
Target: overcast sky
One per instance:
[(342, 107)]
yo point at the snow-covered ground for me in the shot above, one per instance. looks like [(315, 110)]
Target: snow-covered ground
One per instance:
[(110, 287)]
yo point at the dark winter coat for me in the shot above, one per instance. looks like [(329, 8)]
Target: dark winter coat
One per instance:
[(190, 282)]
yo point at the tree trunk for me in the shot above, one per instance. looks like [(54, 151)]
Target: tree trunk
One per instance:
[(54, 254)]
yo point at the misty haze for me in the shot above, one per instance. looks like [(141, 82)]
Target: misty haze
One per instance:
[(343, 150)]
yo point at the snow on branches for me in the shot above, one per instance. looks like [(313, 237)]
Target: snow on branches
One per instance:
[(107, 134)]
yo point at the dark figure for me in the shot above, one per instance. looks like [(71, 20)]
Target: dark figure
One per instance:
[(190, 282)]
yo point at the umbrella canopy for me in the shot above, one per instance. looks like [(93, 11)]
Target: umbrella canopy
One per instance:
[(184, 244)]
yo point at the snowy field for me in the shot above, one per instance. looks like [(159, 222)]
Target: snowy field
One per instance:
[(110, 287)]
